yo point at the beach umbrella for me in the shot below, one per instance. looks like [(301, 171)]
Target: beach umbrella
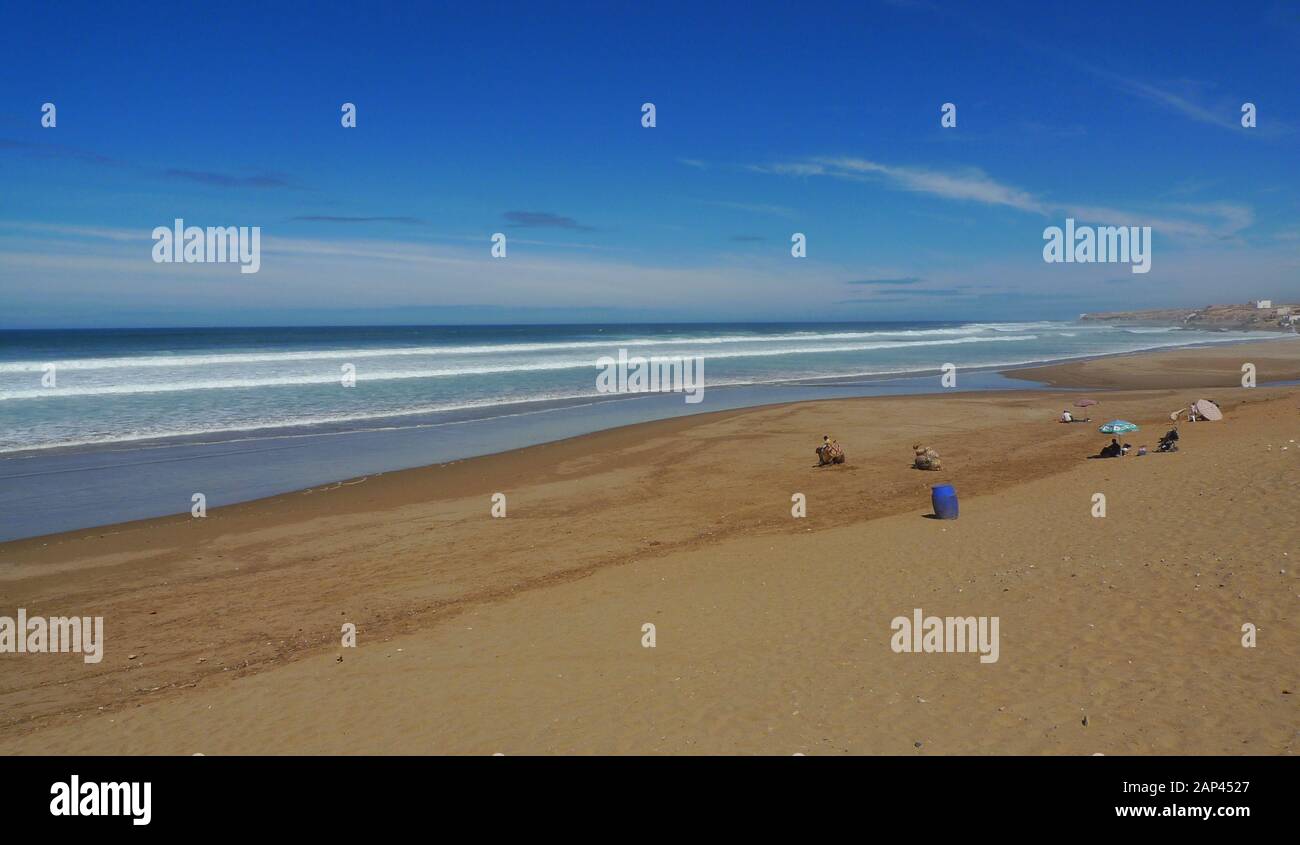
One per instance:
[(1083, 403), (1208, 410), (1118, 427)]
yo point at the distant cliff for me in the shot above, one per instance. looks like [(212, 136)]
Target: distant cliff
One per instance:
[(1212, 317)]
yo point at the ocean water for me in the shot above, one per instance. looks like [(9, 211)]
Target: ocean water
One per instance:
[(131, 386)]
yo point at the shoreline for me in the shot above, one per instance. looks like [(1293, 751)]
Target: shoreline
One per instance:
[(1183, 367), (222, 633), (160, 476), (327, 427)]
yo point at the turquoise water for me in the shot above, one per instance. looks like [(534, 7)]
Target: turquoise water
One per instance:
[(123, 386)]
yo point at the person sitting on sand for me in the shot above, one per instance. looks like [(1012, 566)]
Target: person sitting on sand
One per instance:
[(1066, 416), (1113, 450), (830, 452)]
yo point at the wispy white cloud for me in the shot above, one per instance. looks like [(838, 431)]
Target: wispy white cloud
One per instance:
[(98, 232), (1190, 102), (795, 168), (1177, 102), (752, 207), (1202, 221), (967, 184), (1184, 97), (1188, 98)]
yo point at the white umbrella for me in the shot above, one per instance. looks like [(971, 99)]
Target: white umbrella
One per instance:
[(1207, 410)]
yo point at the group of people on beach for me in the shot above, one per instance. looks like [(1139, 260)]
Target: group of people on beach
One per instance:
[(830, 451), (1114, 449), (1167, 443)]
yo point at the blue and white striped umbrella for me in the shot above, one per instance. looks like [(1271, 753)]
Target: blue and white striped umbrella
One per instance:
[(1118, 427)]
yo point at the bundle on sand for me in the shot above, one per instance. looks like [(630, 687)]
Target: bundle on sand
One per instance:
[(830, 453), (926, 458)]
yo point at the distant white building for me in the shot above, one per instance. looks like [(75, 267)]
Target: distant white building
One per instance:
[(1283, 310), (1263, 303)]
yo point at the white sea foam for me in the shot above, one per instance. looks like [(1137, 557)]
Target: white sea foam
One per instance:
[(227, 358), (302, 379), (514, 379)]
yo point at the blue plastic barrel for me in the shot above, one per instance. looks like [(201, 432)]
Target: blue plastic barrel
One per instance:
[(944, 499)]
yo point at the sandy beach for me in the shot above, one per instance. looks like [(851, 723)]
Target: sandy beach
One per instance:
[(523, 634), (1274, 361)]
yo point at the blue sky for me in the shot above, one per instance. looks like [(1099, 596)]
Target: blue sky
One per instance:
[(526, 119)]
